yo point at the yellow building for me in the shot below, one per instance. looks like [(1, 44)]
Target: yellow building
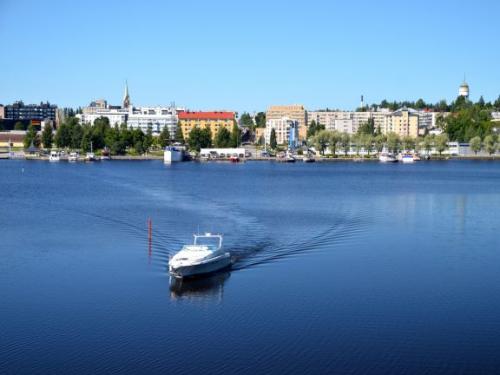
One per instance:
[(403, 122), (13, 138), (295, 112), (212, 120)]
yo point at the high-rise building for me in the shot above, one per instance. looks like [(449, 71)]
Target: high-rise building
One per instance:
[(2, 112), (36, 113), (295, 112), (286, 130), (212, 120)]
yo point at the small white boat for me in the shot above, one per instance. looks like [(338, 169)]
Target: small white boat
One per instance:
[(204, 256), (73, 157), (54, 156), (407, 158), (386, 157), (308, 159)]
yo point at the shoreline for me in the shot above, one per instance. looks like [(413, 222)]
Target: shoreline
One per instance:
[(271, 159)]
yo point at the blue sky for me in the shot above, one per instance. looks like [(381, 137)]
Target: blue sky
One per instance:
[(246, 55)]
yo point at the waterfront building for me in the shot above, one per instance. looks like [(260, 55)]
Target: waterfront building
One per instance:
[(403, 122), (35, 113), (213, 120), (2, 112), (116, 116), (348, 121), (155, 117), (295, 112), (13, 138), (286, 129)]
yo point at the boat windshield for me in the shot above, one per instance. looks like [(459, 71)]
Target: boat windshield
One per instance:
[(211, 241)]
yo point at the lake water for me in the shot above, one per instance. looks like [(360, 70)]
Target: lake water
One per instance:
[(339, 268)]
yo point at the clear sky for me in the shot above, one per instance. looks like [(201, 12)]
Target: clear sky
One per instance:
[(246, 55)]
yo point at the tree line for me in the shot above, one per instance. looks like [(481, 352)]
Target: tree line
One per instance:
[(392, 142)]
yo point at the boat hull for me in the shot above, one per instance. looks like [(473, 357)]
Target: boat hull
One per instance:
[(211, 266)]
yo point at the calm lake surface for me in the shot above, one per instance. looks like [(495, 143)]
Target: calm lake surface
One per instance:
[(339, 268)]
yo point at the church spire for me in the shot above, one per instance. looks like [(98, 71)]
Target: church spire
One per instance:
[(126, 97)]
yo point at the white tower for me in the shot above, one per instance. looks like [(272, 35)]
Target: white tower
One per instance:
[(464, 89)]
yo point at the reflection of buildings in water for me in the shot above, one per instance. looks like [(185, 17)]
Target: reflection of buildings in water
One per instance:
[(207, 288), (461, 207)]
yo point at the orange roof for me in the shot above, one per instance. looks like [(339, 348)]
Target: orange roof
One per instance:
[(206, 115)]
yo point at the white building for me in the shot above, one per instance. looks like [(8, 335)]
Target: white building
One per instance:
[(285, 128), (116, 116), (155, 117)]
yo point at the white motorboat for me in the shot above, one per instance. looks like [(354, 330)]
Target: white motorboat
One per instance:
[(386, 157), (54, 156), (204, 256), (73, 156), (407, 158)]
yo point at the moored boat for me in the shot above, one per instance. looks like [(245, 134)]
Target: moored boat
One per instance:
[(54, 156), (73, 156), (204, 256), (407, 158), (386, 157)]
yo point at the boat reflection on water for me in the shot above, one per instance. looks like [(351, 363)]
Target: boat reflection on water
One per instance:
[(199, 288)]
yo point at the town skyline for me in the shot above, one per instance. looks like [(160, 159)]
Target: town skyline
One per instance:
[(322, 54)]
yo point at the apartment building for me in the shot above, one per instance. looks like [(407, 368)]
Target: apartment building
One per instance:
[(286, 129), (296, 112), (212, 120)]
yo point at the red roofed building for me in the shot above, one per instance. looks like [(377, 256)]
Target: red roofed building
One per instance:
[(213, 120)]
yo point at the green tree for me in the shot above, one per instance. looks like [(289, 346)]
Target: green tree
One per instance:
[(260, 120), (200, 138), (235, 135), (47, 136), (393, 142), (475, 144), (428, 143), (148, 139), (164, 137), (31, 137), (63, 136), (367, 128), (367, 142), (408, 143), (379, 142), (272, 142), (76, 136), (223, 138), (333, 140), (441, 143), (246, 120), (345, 143), (490, 144), (320, 140), (179, 136), (19, 126)]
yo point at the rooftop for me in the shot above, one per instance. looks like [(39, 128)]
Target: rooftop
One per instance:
[(206, 115)]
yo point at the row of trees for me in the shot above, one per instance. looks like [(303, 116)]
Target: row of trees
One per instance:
[(490, 144), (335, 140), (119, 139), (202, 138)]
